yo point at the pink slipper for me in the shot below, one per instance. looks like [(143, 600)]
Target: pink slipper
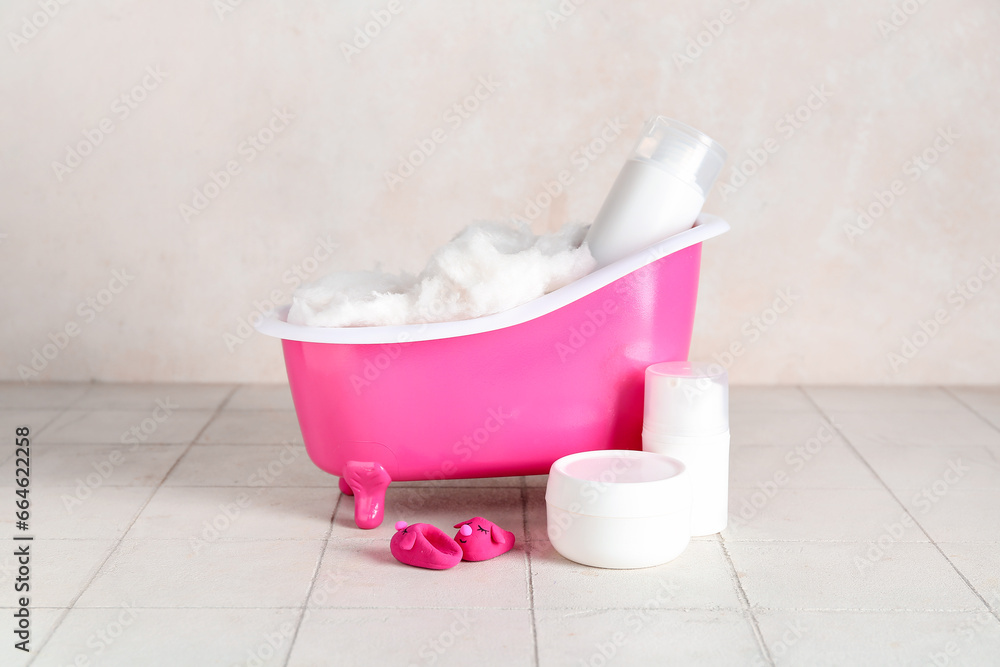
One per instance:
[(481, 539), (423, 545)]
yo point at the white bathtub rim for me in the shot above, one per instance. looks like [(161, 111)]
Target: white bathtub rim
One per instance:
[(275, 324)]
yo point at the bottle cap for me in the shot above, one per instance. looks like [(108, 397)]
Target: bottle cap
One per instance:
[(686, 398), (681, 150)]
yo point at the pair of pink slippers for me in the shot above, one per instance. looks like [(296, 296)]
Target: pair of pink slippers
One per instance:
[(424, 545)]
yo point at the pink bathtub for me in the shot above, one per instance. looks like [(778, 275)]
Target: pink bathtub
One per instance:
[(506, 394)]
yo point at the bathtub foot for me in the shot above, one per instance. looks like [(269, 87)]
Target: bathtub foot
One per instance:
[(368, 482), (345, 488)]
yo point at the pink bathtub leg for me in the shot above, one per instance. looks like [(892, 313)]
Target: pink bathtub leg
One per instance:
[(345, 488), (368, 481)]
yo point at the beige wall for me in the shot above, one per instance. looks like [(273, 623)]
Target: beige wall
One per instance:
[(881, 93)]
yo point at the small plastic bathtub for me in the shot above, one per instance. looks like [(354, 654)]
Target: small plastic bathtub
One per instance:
[(506, 394)]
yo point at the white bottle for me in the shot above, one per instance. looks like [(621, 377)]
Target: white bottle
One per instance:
[(659, 192), (686, 416)]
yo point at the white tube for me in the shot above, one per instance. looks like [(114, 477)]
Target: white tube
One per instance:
[(659, 192), (646, 204)]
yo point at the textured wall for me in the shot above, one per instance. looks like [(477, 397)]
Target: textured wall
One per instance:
[(210, 152)]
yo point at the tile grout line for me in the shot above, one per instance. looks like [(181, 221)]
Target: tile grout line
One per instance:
[(527, 554), (93, 383), (304, 609), (59, 413), (64, 610), (222, 406), (90, 385), (712, 608), (245, 540), (163, 443), (916, 522), (118, 542), (69, 407), (745, 603), (968, 407), (312, 582)]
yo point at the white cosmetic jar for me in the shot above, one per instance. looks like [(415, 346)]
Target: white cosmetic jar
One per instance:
[(619, 508)]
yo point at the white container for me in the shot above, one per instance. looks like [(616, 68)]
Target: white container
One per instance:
[(659, 192), (618, 508), (686, 416)]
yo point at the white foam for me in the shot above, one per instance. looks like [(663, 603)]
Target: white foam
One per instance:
[(487, 268)]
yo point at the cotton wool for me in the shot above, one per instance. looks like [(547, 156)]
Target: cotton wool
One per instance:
[(487, 268)]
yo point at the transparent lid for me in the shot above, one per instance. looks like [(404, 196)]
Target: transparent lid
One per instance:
[(686, 398), (681, 150)]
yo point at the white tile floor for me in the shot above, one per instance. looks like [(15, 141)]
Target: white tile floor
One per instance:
[(865, 530)]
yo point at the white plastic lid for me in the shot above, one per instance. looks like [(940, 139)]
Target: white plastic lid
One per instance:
[(686, 398), (618, 483), (681, 150)]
